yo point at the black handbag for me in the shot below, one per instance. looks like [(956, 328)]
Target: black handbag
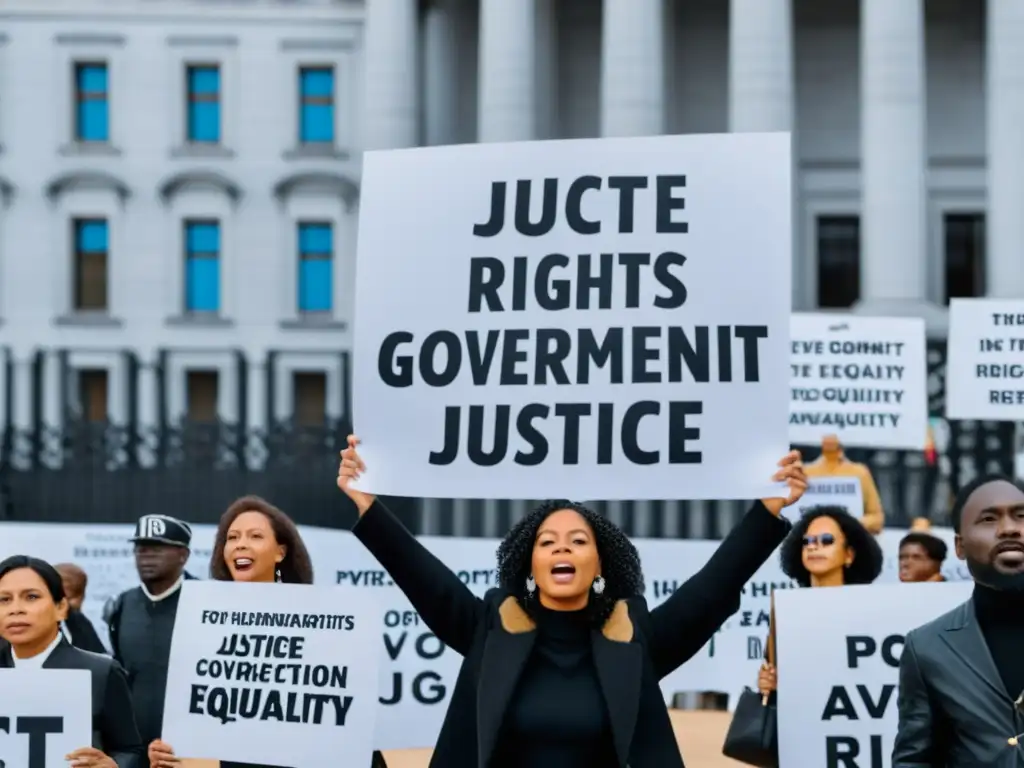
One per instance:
[(753, 736), (753, 733)]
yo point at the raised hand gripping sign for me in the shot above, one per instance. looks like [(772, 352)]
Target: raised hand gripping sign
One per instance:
[(44, 715)]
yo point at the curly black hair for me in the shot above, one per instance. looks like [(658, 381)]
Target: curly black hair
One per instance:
[(867, 561), (620, 562)]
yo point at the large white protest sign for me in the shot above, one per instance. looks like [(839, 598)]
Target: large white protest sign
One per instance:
[(838, 683), (592, 319), (861, 378), (44, 715), (985, 359), (284, 674), (843, 492)]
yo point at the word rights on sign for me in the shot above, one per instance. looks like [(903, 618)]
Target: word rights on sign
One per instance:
[(279, 673), (580, 318), (863, 379), (985, 368), (838, 704)]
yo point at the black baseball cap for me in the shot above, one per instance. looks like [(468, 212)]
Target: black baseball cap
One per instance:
[(162, 529)]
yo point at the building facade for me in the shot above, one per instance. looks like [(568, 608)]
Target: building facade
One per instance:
[(179, 179)]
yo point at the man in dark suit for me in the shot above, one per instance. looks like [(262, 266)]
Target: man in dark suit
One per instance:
[(962, 674), (141, 620)]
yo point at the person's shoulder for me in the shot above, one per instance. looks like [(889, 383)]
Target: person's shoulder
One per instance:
[(921, 637), (116, 604), (98, 663)]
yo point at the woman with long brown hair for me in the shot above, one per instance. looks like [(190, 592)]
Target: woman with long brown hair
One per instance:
[(258, 543)]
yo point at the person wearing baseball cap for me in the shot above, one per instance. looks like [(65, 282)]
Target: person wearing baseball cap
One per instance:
[(141, 620)]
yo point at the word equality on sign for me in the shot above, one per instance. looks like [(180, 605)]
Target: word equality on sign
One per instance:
[(589, 318), (985, 367), (861, 378), (277, 671)]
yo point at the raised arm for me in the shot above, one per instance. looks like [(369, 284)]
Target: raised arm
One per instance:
[(687, 620), (447, 606), (915, 745)]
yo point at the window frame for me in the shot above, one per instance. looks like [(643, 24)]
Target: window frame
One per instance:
[(81, 97), (819, 221), (79, 254), (303, 257), (979, 277), (189, 256), (307, 100), (194, 98)]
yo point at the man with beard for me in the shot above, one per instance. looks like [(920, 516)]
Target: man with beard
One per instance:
[(962, 675), (141, 620)]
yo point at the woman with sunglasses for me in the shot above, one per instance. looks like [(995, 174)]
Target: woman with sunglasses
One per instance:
[(827, 547)]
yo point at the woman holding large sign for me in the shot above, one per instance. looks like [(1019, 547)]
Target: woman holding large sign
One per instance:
[(562, 661), (32, 606), (258, 543)]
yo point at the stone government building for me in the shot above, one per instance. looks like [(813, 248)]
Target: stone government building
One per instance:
[(179, 191)]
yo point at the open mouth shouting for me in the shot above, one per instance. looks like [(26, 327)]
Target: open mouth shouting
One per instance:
[(563, 573), (243, 564)]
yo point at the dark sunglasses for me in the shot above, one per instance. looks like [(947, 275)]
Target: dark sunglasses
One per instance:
[(824, 540)]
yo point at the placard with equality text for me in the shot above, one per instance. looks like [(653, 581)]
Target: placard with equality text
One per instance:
[(584, 319), (45, 714), (285, 674), (864, 379)]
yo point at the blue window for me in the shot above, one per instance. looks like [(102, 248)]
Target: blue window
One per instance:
[(92, 249), (202, 266), (316, 267), (203, 104), (316, 105), (92, 103)]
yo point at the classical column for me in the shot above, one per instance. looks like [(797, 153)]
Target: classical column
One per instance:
[(507, 99), (633, 68), (1005, 92), (440, 74), (760, 65), (893, 160), (761, 95), (390, 51)]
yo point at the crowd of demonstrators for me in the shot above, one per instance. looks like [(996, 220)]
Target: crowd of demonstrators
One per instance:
[(561, 662)]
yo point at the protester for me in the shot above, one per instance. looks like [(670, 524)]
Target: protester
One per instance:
[(79, 629), (32, 606), (921, 556), (561, 663), (258, 543), (828, 547), (961, 673), (833, 463), (141, 620)]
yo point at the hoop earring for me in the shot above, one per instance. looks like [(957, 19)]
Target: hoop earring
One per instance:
[(277, 575), (599, 585), (531, 586)]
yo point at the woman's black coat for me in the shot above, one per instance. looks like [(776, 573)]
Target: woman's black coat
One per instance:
[(113, 722), (632, 652)]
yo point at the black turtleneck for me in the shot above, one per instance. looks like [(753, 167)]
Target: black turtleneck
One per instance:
[(1001, 616), (557, 715)]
